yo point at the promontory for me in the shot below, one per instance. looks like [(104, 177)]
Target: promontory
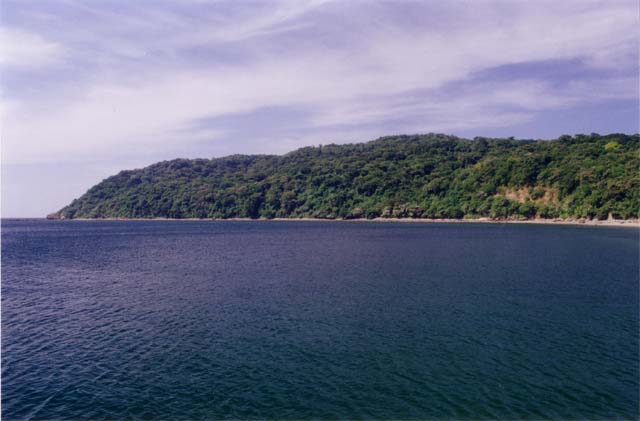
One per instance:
[(418, 176)]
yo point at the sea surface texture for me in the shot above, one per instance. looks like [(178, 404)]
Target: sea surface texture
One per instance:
[(184, 320)]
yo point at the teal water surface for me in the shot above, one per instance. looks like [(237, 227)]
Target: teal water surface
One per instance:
[(298, 320)]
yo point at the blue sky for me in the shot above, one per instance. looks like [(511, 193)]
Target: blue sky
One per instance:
[(89, 88)]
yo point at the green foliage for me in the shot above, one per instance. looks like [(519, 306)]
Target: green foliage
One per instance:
[(427, 176)]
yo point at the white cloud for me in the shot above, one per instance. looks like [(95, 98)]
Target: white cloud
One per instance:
[(273, 18), (27, 50)]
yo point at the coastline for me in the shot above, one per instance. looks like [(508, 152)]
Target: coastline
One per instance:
[(556, 221)]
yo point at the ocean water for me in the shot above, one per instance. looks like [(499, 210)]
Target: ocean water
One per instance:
[(297, 320)]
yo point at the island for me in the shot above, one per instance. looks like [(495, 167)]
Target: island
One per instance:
[(416, 177)]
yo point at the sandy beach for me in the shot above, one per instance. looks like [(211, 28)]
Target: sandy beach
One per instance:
[(557, 221)]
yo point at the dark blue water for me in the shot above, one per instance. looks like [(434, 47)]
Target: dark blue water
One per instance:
[(169, 320)]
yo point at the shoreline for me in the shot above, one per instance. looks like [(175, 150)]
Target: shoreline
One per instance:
[(556, 221)]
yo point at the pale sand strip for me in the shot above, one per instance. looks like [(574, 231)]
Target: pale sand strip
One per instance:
[(556, 221)]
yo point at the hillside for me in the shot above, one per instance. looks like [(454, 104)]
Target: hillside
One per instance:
[(422, 176)]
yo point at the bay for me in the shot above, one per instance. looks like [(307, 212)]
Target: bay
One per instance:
[(298, 320)]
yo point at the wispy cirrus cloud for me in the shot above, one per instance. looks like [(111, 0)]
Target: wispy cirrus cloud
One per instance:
[(20, 50)]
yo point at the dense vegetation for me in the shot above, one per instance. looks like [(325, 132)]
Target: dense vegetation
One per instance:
[(426, 176)]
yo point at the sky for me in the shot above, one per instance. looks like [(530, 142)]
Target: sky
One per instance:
[(89, 88)]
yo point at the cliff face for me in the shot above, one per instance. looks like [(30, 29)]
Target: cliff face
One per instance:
[(427, 176)]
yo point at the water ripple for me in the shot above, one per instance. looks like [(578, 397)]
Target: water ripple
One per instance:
[(161, 320)]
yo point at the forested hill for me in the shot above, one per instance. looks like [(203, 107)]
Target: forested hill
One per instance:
[(425, 176)]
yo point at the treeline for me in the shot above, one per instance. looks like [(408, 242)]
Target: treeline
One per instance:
[(421, 176)]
